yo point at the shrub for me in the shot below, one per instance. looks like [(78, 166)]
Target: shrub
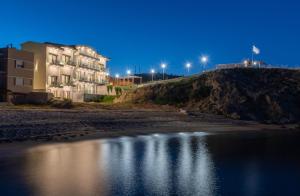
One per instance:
[(108, 99), (118, 90), (109, 88), (63, 104)]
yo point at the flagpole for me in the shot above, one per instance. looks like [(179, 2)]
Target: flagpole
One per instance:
[(252, 56)]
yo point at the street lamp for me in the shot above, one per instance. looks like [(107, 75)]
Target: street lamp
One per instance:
[(152, 73), (163, 66), (188, 66), (117, 76), (204, 60), (128, 72)]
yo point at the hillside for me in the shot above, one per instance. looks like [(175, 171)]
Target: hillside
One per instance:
[(147, 77), (268, 95)]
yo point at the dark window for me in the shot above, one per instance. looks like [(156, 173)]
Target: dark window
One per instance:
[(19, 64)]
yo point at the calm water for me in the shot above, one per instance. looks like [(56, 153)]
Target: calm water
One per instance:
[(173, 164)]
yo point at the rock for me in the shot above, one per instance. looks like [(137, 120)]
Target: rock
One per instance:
[(266, 95)]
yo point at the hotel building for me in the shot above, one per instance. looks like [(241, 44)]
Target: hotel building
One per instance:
[(16, 73), (67, 71)]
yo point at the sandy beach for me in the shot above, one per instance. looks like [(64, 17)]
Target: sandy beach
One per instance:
[(56, 125)]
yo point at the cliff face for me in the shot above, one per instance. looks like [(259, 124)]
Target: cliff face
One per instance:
[(268, 95)]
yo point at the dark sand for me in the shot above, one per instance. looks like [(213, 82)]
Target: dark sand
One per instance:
[(19, 125)]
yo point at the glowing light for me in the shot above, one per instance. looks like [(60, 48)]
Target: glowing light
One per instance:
[(117, 75), (188, 65), (204, 59), (152, 71), (163, 65), (128, 72)]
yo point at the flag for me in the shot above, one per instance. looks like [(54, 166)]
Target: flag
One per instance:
[(255, 50)]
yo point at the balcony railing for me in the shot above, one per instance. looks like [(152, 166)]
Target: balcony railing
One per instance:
[(71, 63), (69, 84), (92, 67), (88, 55), (86, 80), (100, 82), (56, 85), (58, 63)]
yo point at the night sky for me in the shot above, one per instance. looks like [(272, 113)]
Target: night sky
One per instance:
[(147, 33)]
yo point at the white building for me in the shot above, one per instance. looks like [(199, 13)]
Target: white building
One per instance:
[(67, 71)]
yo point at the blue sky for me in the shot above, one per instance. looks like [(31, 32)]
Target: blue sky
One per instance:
[(145, 33)]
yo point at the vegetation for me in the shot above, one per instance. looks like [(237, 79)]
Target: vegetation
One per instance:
[(109, 89), (63, 104), (108, 99), (266, 95), (118, 91), (147, 77)]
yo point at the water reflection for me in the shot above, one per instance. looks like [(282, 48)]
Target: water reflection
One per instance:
[(174, 164), (63, 170), (124, 166)]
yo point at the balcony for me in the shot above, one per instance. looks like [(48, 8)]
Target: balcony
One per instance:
[(100, 82), (71, 63), (71, 84), (56, 63), (56, 85), (91, 67), (85, 80), (88, 81), (88, 55)]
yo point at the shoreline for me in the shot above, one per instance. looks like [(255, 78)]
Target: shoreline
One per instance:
[(46, 126)]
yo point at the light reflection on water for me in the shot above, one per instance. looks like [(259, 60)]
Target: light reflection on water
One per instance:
[(177, 164)]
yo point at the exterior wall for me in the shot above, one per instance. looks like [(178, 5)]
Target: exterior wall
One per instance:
[(3, 75), (39, 82), (102, 90), (127, 81), (67, 71), (25, 73), (16, 72)]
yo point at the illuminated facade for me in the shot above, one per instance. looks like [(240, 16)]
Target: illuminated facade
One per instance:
[(67, 71)]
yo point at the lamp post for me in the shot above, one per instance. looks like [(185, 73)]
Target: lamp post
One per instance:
[(188, 66), (204, 60), (117, 76), (163, 66), (128, 73), (152, 73)]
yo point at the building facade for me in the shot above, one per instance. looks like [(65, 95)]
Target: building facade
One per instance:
[(126, 81), (244, 64), (16, 73), (67, 71)]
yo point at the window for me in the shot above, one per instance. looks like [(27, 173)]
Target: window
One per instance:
[(55, 93), (65, 79), (53, 58), (19, 81), (53, 80), (19, 64), (66, 58), (67, 94)]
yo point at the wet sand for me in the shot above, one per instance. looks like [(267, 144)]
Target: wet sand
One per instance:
[(19, 125)]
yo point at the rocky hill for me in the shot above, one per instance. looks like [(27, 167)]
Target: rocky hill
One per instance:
[(266, 95)]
